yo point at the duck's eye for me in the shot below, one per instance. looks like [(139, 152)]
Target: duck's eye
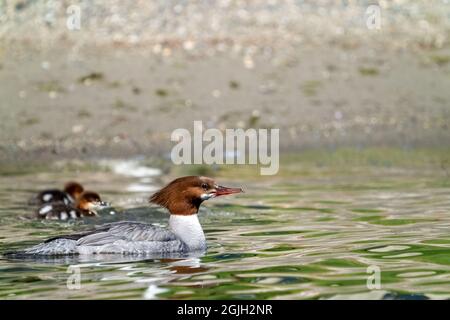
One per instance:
[(205, 186)]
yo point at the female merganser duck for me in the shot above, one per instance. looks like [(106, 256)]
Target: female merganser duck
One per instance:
[(86, 206), (182, 198), (72, 190)]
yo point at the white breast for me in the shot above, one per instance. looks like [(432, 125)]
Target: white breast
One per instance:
[(189, 230)]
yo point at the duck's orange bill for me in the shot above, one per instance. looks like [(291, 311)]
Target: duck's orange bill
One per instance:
[(222, 191)]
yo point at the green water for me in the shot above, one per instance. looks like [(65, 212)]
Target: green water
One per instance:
[(293, 237)]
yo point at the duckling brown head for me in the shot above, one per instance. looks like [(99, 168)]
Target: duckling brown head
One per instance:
[(90, 203), (74, 189)]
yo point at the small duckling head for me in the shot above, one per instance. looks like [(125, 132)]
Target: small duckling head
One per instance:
[(74, 189), (90, 203)]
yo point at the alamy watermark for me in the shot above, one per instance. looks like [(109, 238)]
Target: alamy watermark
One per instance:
[(373, 17), (231, 146), (74, 280), (73, 21), (374, 279)]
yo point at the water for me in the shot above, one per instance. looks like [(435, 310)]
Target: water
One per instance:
[(311, 237)]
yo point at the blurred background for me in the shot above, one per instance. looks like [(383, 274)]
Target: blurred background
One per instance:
[(121, 78)]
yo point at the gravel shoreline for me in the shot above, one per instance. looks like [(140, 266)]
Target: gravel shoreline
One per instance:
[(120, 87)]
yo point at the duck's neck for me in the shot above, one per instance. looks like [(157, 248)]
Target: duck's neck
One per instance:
[(189, 230)]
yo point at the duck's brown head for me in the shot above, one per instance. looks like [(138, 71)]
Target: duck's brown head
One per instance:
[(183, 196), (90, 202), (74, 189)]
